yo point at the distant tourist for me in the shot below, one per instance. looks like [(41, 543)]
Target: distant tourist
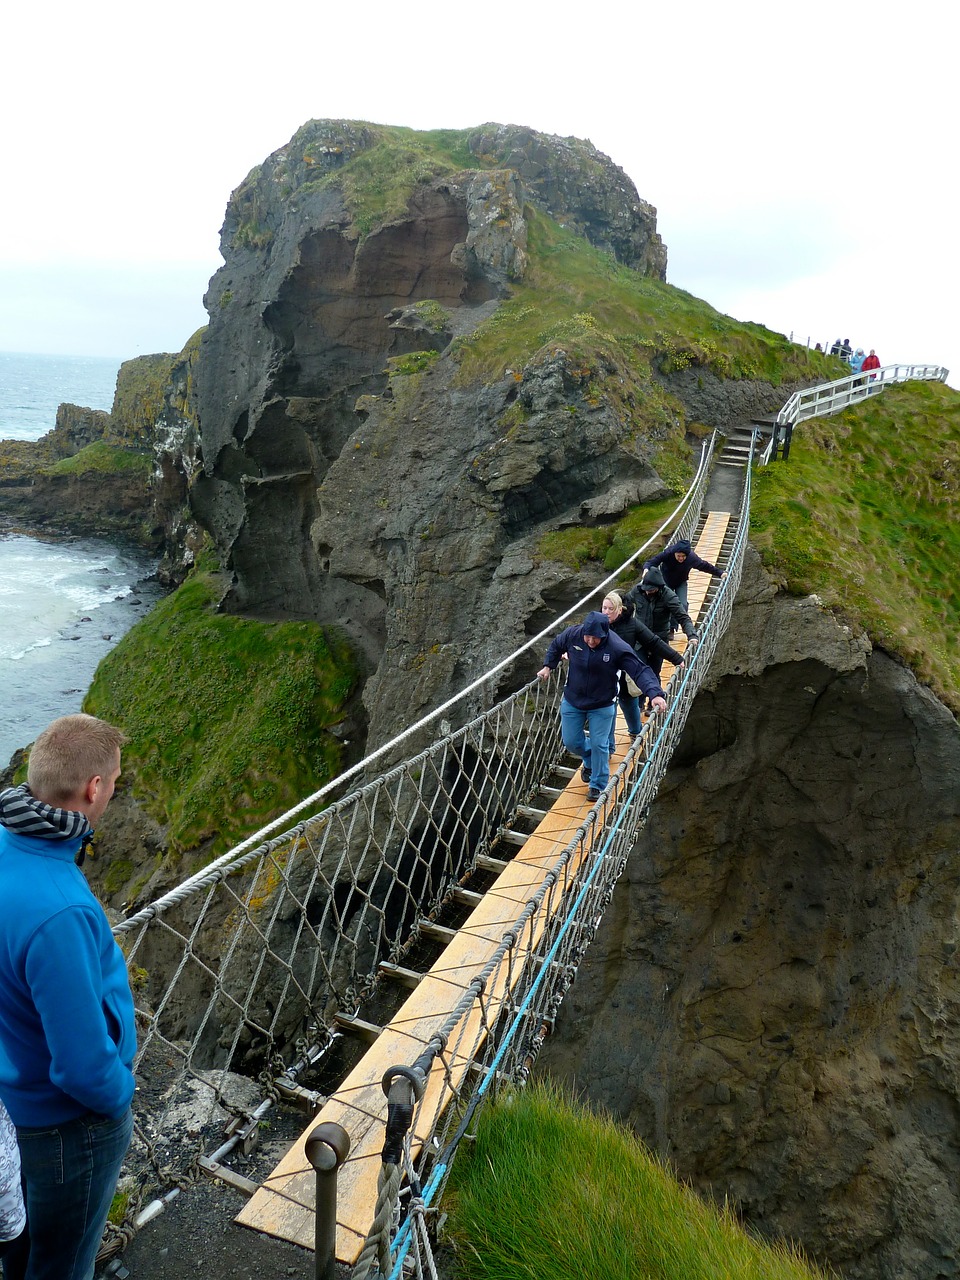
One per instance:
[(837, 348), (818, 348), (846, 351), (596, 657), (857, 361), (871, 362)]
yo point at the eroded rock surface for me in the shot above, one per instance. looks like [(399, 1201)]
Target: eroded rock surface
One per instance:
[(772, 1000), (351, 475), (136, 488)]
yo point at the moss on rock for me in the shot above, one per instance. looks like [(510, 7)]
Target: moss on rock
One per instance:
[(228, 717)]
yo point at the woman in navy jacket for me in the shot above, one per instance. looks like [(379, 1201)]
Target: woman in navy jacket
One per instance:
[(596, 657)]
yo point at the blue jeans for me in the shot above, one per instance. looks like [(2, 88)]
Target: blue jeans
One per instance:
[(70, 1175), (682, 591), (596, 756), (630, 706)]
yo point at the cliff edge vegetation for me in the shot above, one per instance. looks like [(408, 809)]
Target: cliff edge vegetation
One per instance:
[(864, 515), (228, 718), (123, 474), (552, 1190)]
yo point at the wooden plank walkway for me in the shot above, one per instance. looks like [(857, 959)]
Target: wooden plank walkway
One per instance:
[(284, 1205)]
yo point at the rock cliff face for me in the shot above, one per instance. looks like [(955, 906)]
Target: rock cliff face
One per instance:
[(51, 485), (350, 473), (123, 474), (773, 999)]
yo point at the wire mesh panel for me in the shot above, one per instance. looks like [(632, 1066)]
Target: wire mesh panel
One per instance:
[(243, 975), (247, 969)]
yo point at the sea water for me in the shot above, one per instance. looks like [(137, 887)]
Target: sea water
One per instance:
[(64, 602), (33, 387)]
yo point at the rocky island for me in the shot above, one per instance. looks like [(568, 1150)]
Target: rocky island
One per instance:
[(444, 387)]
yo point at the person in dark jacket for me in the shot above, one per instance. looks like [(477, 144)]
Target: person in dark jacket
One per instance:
[(596, 656), (658, 608), (676, 563), (645, 644)]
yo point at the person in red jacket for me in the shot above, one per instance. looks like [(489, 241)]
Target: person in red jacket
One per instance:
[(872, 362)]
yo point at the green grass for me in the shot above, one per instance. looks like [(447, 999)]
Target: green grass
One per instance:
[(551, 1191), (377, 182), (227, 717), (579, 297), (864, 514), (105, 458), (608, 544)]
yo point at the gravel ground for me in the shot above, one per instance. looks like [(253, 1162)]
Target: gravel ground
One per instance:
[(196, 1236)]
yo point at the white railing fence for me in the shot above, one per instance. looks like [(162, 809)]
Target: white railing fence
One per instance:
[(831, 397)]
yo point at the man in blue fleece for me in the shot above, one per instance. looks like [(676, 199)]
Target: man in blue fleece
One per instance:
[(596, 656), (67, 1035)]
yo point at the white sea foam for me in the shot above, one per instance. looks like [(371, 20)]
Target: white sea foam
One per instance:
[(48, 653), (63, 605)]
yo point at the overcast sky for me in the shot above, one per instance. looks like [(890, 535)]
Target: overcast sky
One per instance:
[(802, 158)]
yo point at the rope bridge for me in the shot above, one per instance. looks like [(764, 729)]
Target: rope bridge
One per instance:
[(263, 978)]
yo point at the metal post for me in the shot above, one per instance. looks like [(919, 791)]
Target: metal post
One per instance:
[(326, 1149), (788, 432)]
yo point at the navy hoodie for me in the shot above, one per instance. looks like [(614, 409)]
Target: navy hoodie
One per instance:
[(675, 573), (593, 675)]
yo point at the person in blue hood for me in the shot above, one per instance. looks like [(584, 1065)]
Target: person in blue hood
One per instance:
[(596, 656), (67, 1034), (676, 563)]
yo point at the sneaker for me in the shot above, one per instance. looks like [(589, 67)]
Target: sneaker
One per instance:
[(593, 793), (585, 774)]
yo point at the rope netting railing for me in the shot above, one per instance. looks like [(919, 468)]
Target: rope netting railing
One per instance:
[(499, 1025), (243, 975)]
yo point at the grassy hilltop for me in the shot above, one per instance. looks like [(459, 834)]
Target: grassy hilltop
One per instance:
[(864, 514), (860, 514)]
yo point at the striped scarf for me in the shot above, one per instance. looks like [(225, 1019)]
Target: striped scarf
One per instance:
[(25, 815)]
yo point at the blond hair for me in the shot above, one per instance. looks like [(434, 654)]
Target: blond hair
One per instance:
[(69, 753), (616, 597)]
